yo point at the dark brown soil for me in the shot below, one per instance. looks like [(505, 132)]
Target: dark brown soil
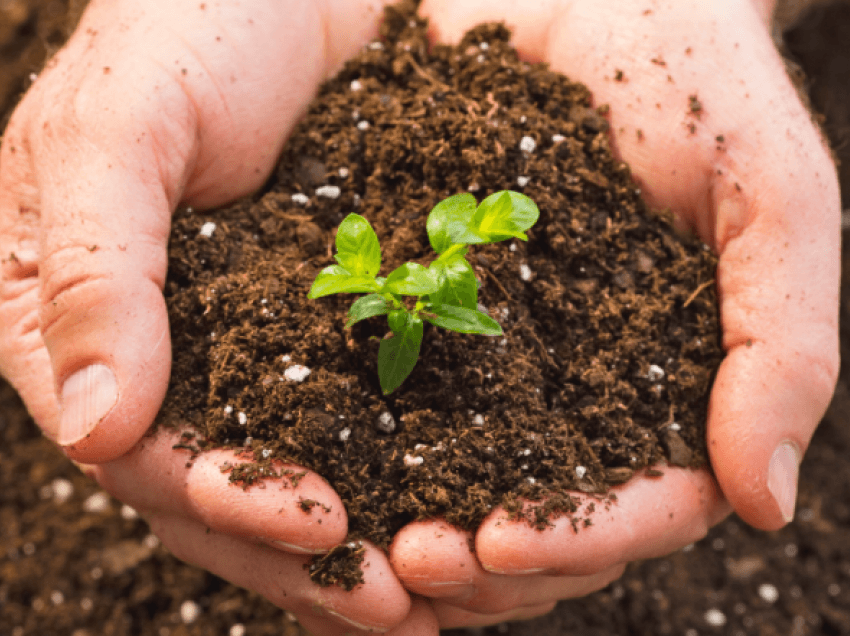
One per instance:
[(111, 578), (610, 320)]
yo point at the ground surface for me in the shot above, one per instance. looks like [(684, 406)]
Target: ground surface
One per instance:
[(75, 562)]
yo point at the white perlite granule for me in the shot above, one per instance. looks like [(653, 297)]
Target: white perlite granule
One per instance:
[(527, 144), (62, 490), (189, 612), (655, 374), (356, 85), (768, 593), (207, 229), (412, 460), (525, 272), (98, 502), (581, 471), (300, 198), (296, 373), (243, 419), (386, 422), (522, 181), (237, 630), (344, 434), (328, 191), (556, 139), (715, 618), (363, 125)]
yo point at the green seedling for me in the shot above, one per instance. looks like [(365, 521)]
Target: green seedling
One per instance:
[(446, 291)]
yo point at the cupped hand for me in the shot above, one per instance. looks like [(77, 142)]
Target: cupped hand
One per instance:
[(152, 103), (702, 110)]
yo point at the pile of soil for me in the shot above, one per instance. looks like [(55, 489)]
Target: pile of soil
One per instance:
[(73, 561), (611, 334)]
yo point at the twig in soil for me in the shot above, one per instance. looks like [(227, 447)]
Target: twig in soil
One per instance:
[(693, 296), (498, 283)]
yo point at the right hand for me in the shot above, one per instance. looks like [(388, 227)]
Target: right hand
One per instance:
[(149, 105)]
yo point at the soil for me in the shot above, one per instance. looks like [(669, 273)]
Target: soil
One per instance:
[(84, 565)]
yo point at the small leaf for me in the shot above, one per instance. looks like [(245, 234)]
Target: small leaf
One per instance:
[(458, 285), (462, 320), (504, 215), (398, 355), (335, 279), (448, 220), (357, 246), (411, 279), (367, 307), (398, 320)]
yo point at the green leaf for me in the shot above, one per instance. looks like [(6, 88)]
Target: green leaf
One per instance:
[(367, 307), (448, 222), (398, 320), (462, 319), (458, 285), (504, 215), (398, 355), (411, 279), (335, 279), (357, 246)]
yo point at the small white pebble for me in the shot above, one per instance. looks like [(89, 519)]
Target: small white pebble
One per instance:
[(286, 358), (525, 272), (98, 502), (531, 480), (228, 410), (344, 172), (386, 422), (522, 181), (655, 373), (356, 85), (768, 593), (512, 247), (715, 618), (412, 460), (480, 58), (328, 191), (523, 119), (300, 198), (675, 426), (344, 434), (189, 612), (237, 630), (62, 490), (151, 542), (581, 471), (527, 144), (557, 138), (266, 453), (363, 125), (207, 229), (376, 46), (128, 513), (296, 373), (242, 418), (478, 420), (484, 46), (56, 597)]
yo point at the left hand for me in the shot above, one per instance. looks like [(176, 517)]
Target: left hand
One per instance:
[(765, 199)]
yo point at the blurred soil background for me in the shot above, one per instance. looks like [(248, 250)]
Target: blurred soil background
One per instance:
[(75, 562)]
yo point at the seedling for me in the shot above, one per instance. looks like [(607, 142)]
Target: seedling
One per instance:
[(446, 291)]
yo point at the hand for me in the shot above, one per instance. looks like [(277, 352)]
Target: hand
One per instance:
[(152, 103), (754, 180)]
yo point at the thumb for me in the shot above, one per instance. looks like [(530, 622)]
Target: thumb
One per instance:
[(105, 195)]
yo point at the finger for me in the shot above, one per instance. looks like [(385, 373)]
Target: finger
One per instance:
[(378, 604), (451, 617), (437, 560), (296, 512), (650, 517)]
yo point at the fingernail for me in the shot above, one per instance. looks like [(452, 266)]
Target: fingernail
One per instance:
[(513, 572), (323, 610), (782, 478), (87, 397), (295, 549)]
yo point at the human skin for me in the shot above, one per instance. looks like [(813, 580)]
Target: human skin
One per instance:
[(157, 103)]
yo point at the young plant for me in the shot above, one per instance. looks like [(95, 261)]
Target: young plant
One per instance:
[(446, 291)]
